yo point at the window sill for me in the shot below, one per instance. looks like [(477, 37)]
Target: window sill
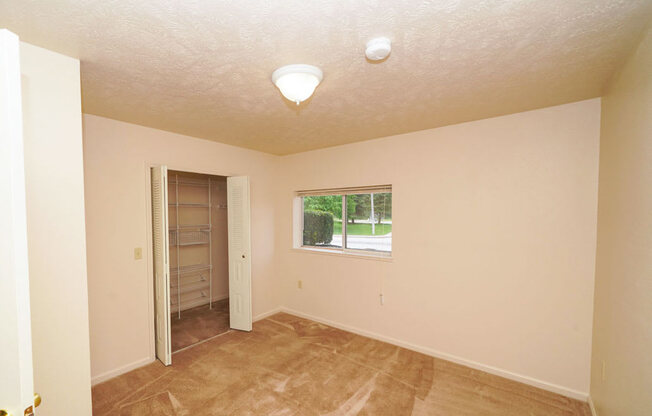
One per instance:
[(365, 255)]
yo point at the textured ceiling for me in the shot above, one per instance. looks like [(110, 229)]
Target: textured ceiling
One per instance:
[(203, 67)]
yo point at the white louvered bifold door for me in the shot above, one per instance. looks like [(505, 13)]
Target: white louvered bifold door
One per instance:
[(161, 263), (239, 252)]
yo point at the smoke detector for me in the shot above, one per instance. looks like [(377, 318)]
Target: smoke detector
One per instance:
[(378, 49)]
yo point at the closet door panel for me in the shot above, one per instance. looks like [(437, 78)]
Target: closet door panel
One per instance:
[(161, 245), (239, 233)]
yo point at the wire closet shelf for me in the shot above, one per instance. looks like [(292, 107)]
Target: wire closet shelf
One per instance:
[(189, 238), (193, 285)]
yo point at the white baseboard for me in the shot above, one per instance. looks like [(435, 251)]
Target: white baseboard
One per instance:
[(132, 366), (592, 406), (268, 313), (564, 391), (121, 370), (575, 394)]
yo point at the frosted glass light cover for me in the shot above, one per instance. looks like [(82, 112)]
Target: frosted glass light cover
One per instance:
[(297, 82)]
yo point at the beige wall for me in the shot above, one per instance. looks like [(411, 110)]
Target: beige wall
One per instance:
[(494, 240), (56, 238), (494, 243), (623, 291), (117, 157)]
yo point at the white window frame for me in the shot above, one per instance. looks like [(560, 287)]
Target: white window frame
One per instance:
[(298, 209)]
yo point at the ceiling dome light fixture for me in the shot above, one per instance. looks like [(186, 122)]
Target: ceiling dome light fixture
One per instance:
[(378, 49), (297, 82)]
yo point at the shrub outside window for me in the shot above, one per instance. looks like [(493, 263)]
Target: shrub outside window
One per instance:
[(320, 216), (355, 219)]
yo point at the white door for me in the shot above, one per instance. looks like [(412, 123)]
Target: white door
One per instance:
[(239, 231), (161, 263), (16, 375)]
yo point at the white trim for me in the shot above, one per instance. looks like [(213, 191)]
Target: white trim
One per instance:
[(353, 253), (350, 190), (592, 407), (564, 391), (269, 313), (574, 394), (121, 370)]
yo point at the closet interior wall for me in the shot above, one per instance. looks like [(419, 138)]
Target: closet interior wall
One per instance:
[(198, 240)]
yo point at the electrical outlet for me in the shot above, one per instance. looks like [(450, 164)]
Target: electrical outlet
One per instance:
[(138, 253), (300, 284)]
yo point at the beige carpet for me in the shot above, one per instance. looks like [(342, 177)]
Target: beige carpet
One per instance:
[(198, 324), (292, 366)]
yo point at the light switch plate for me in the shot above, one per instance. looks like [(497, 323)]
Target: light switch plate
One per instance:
[(138, 253)]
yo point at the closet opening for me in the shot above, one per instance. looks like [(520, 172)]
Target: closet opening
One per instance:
[(199, 253), (202, 266)]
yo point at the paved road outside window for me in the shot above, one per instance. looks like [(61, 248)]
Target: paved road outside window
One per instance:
[(365, 242)]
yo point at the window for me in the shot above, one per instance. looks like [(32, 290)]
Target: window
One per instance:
[(322, 221), (348, 220), (369, 221)]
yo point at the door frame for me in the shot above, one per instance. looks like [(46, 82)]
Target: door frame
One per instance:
[(148, 252)]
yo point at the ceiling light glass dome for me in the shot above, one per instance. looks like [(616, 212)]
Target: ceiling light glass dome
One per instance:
[(297, 82)]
